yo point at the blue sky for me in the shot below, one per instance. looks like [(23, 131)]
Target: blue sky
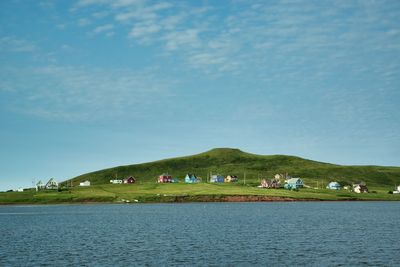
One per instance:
[(91, 84)]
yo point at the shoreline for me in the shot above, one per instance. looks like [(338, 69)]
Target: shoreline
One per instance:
[(199, 199)]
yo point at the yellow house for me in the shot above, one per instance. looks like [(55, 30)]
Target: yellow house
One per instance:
[(231, 179)]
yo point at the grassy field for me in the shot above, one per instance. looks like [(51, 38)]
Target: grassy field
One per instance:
[(152, 192), (227, 161)]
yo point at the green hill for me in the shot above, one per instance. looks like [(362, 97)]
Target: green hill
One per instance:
[(234, 161)]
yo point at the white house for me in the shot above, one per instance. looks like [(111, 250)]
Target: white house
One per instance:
[(52, 184), (20, 189), (397, 191), (40, 185), (85, 183), (116, 181), (333, 186), (360, 188)]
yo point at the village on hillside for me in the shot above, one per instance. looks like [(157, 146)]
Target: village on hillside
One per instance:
[(283, 181)]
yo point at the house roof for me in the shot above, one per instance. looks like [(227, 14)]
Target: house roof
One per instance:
[(293, 180), (52, 180)]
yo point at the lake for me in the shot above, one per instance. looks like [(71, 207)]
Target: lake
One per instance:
[(197, 234)]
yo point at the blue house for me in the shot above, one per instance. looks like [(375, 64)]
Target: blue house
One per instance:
[(217, 178), (191, 178), (294, 183), (333, 186)]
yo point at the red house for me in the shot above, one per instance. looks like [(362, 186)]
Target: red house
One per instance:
[(165, 178), (129, 180)]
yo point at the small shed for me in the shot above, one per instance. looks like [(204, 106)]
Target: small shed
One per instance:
[(191, 178), (231, 179), (52, 184), (216, 178), (294, 183), (129, 180), (85, 183), (334, 186), (165, 178)]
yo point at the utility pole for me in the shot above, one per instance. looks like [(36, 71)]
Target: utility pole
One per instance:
[(244, 178)]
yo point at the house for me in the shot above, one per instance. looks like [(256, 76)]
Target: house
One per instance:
[(165, 178), (40, 186), (397, 191), (191, 178), (274, 183), (281, 177), (294, 183), (231, 179), (51, 184), (360, 188), (20, 189), (333, 186), (116, 181), (216, 178), (129, 180), (85, 183)]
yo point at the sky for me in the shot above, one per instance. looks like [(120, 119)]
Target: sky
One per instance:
[(91, 84)]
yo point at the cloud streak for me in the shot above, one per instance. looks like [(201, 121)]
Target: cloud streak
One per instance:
[(232, 37), (13, 44), (103, 28), (77, 94)]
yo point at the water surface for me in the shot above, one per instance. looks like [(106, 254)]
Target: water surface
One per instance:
[(211, 234)]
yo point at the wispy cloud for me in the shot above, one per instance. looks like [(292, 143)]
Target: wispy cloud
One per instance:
[(13, 44), (103, 28), (143, 31), (259, 33), (84, 22), (70, 93)]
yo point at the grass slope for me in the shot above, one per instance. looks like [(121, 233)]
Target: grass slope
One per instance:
[(234, 161), (152, 192)]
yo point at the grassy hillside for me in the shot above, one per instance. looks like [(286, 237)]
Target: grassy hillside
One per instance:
[(202, 192), (234, 161)]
